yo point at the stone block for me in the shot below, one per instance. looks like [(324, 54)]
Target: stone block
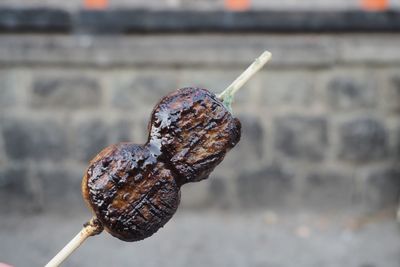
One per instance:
[(61, 188), (287, 88), (216, 80), (16, 192), (328, 190), (121, 131), (249, 152), (265, 188), (147, 5), (195, 195), (14, 180), (141, 91), (392, 96), (141, 133), (363, 139), (202, 5), (90, 137), (361, 48), (222, 192), (163, 50), (36, 140), (8, 96), (61, 90), (396, 144), (218, 189), (345, 92), (383, 188), (305, 5), (393, 129), (303, 138)]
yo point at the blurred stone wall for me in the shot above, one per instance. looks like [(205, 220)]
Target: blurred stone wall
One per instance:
[(321, 122), (202, 5)]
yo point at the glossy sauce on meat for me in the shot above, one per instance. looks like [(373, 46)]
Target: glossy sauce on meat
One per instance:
[(135, 189)]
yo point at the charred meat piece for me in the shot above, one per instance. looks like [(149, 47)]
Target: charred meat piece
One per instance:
[(195, 130), (131, 193), (135, 189)]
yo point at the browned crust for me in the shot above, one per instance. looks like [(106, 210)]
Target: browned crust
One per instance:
[(195, 131), (135, 189), (84, 185)]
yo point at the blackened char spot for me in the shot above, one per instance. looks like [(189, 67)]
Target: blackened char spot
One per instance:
[(134, 189)]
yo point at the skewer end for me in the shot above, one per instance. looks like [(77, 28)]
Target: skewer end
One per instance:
[(227, 95)]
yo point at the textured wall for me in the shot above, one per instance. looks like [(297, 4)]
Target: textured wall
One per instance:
[(203, 5), (321, 123)]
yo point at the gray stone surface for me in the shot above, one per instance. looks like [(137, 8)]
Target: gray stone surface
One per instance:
[(362, 49), (396, 146), (347, 92), (183, 50), (392, 98), (15, 190), (62, 90), (90, 137), (208, 5), (201, 5), (158, 50), (293, 88), (218, 188), (216, 80), (211, 239), (383, 187), (363, 139), (301, 137), (307, 4), (329, 190), (60, 187), (321, 116), (151, 5), (132, 90), (393, 129), (249, 152), (269, 187), (8, 96), (121, 131), (38, 140), (14, 180), (196, 195)]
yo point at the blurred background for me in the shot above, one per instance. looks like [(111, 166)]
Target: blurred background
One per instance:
[(315, 180)]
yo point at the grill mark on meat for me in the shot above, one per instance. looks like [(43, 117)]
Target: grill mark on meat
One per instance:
[(135, 189)]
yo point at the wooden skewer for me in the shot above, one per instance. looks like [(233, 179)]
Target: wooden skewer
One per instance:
[(93, 227), (227, 95)]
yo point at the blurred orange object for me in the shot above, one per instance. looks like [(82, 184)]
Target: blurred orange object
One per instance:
[(237, 5), (375, 5), (95, 4)]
